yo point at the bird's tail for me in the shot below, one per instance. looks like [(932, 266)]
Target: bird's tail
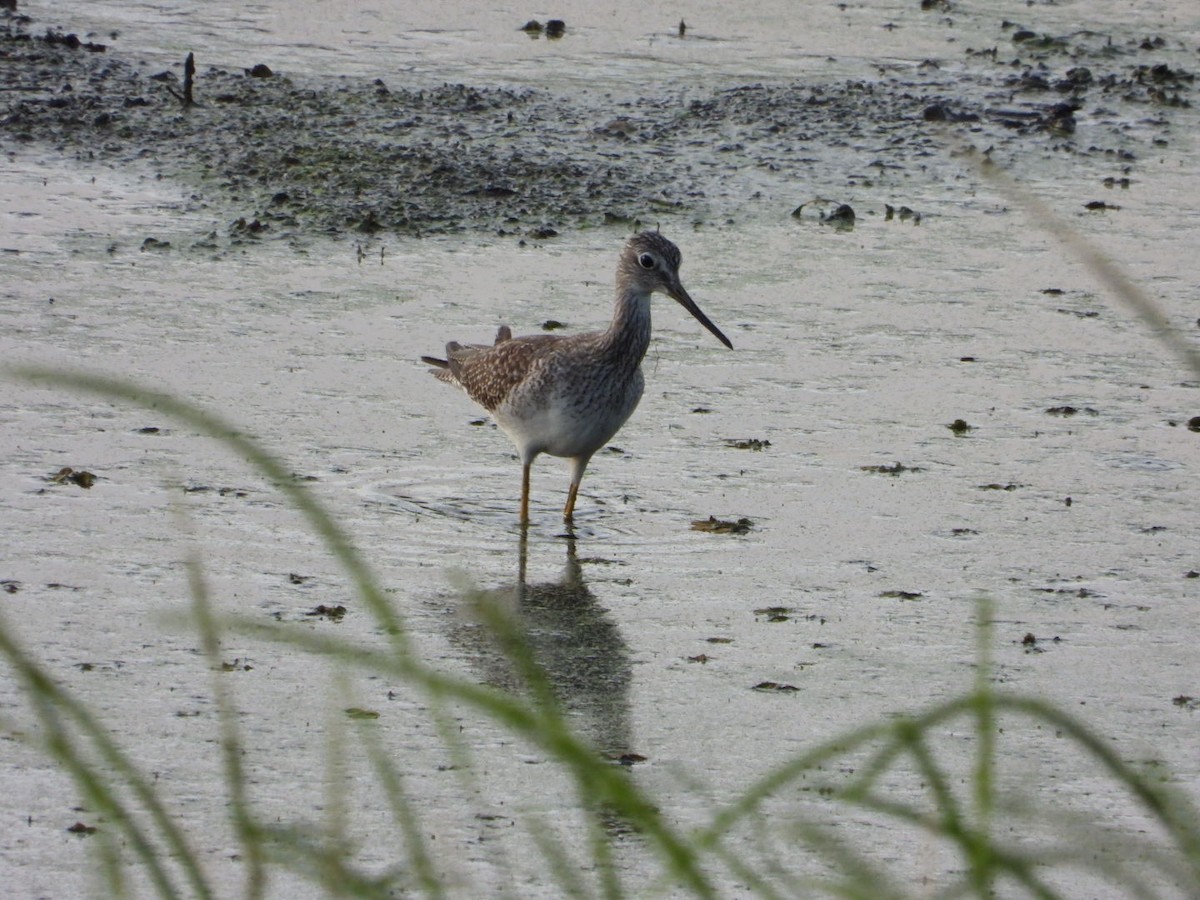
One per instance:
[(502, 335)]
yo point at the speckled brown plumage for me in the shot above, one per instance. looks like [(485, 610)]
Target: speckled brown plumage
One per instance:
[(567, 395), (488, 373)]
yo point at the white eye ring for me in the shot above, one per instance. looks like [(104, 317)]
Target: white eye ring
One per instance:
[(646, 261)]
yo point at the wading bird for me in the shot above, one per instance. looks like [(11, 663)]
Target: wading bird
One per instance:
[(567, 395)]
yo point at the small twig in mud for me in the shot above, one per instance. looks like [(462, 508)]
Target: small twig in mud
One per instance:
[(189, 75)]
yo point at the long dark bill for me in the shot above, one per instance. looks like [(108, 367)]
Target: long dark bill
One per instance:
[(680, 296)]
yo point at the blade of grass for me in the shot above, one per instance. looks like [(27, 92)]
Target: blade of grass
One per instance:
[(50, 702), (594, 777), (984, 780), (1172, 810), (404, 813), (332, 534), (1101, 265), (245, 828)]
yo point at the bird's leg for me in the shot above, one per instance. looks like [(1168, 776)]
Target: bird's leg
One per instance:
[(522, 557), (578, 464), (525, 491), (569, 509)]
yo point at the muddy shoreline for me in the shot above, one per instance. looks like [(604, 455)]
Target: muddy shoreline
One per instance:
[(281, 154)]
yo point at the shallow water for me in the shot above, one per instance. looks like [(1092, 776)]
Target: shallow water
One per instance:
[(852, 349)]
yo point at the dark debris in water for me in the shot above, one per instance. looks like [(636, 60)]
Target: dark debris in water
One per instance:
[(68, 475), (774, 613), (901, 595), (554, 28), (893, 469), (221, 492), (281, 154), (333, 613), (1082, 592), (842, 217), (1033, 644), (713, 525), (903, 213), (746, 443), (839, 215), (774, 687)]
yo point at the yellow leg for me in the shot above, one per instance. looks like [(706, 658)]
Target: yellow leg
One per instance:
[(569, 510), (578, 464), (525, 493), (522, 556)]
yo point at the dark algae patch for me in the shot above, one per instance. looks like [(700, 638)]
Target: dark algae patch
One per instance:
[(774, 613), (68, 475), (901, 595), (334, 613), (746, 443), (1068, 411), (894, 469), (774, 687), (282, 153), (713, 525)]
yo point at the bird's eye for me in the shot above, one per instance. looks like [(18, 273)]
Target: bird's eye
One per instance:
[(646, 261)]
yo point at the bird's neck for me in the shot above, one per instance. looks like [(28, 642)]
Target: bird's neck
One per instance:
[(629, 334)]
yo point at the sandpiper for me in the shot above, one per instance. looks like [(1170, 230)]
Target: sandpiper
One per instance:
[(567, 395)]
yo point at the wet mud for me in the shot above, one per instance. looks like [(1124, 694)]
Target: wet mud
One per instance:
[(282, 154)]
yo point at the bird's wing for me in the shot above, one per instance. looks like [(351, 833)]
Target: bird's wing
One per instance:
[(489, 373)]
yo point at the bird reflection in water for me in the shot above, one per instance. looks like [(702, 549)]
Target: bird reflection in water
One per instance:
[(552, 641)]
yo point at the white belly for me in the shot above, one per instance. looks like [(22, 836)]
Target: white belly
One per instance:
[(570, 426)]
